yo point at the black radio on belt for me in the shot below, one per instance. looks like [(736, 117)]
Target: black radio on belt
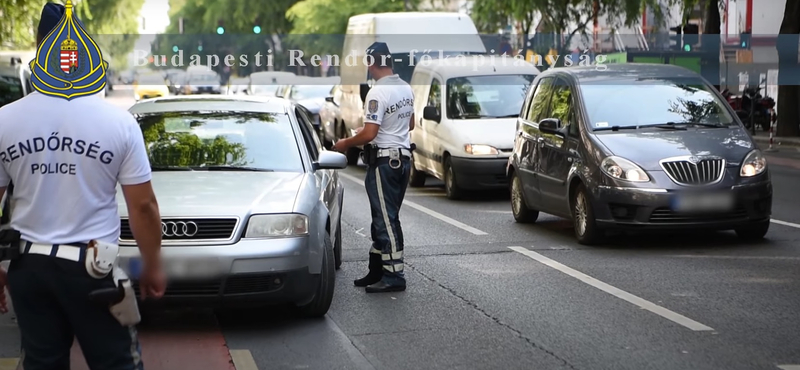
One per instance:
[(370, 154), (9, 244)]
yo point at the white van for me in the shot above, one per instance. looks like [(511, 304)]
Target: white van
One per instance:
[(406, 34), (267, 83), (466, 112)]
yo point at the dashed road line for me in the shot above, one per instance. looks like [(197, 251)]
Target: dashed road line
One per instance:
[(619, 293), (243, 359), (424, 209), (784, 223)]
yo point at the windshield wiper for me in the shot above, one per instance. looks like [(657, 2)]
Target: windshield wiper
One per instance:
[(170, 168), (236, 168), (689, 123), (515, 115), (667, 125), (616, 128)]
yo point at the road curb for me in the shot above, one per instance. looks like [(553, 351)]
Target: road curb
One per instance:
[(779, 143)]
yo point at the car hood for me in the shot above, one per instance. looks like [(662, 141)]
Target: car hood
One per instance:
[(496, 132), (222, 193), (647, 148), (313, 105)]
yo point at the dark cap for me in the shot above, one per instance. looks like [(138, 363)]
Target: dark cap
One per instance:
[(378, 48), (51, 15)]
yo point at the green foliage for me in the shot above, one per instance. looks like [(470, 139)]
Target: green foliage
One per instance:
[(18, 26), (185, 149)]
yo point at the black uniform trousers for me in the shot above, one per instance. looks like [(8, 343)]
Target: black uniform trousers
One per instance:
[(51, 300)]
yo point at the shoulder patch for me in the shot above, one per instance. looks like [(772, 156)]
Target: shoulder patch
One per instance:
[(373, 106)]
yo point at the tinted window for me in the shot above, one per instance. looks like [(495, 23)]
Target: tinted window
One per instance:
[(486, 96), (300, 92), (652, 101), (200, 139), (10, 89)]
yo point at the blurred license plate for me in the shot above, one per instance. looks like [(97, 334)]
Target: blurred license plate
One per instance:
[(181, 268), (703, 202)]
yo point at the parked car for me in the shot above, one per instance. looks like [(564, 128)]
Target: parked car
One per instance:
[(149, 86), (202, 82), (636, 146), (466, 115), (310, 93), (251, 203), (330, 117), (15, 83), (267, 83)]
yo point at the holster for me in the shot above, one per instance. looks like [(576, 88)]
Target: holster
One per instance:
[(121, 300), (101, 258), (9, 244), (369, 155)]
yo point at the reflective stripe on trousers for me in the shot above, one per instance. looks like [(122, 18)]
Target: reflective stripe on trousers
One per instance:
[(386, 188)]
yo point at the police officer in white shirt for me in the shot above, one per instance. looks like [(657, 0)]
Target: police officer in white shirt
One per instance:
[(388, 118), (64, 159)]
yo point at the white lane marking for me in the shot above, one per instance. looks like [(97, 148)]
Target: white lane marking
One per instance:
[(619, 293), (243, 359), (737, 257), (360, 233), (789, 367), (424, 209), (784, 223)]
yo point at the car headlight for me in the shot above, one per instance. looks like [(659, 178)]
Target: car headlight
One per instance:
[(478, 149), (264, 226), (623, 169), (754, 164)]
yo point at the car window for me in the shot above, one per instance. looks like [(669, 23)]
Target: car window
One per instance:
[(561, 103), (309, 134), (197, 139), (10, 89), (435, 95), (644, 101), (491, 96), (540, 104)]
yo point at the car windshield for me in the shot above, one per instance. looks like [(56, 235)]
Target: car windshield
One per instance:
[(10, 89), (201, 140), (630, 103), (205, 78), (490, 96), (300, 92), (151, 80)]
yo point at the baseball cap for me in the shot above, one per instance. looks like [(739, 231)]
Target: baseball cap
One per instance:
[(51, 15), (378, 48)]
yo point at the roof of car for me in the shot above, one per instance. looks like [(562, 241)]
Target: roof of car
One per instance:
[(183, 103), (476, 65), (621, 71)]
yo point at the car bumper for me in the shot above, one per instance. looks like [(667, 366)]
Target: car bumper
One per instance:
[(254, 272), (616, 207), (480, 173)]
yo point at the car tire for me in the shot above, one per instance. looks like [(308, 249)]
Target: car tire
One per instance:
[(337, 246), (519, 208), (753, 232), (586, 230), (323, 294), (416, 179), (451, 189)]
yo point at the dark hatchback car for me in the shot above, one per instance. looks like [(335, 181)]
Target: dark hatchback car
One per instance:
[(636, 146)]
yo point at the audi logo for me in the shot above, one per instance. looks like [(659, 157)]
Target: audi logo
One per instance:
[(178, 228)]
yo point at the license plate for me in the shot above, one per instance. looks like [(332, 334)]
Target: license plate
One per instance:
[(704, 202), (181, 268)]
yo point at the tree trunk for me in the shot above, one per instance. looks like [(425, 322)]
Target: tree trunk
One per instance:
[(789, 72), (711, 42)]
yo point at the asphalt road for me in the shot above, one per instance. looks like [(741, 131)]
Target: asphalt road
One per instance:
[(487, 293)]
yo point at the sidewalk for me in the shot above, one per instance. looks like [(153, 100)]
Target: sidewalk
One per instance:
[(779, 143)]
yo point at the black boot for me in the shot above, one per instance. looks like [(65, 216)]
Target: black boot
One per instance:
[(375, 271)]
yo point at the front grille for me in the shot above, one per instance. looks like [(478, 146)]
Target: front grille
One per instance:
[(666, 215), (254, 283), (207, 228), (699, 172), (243, 284), (188, 288)]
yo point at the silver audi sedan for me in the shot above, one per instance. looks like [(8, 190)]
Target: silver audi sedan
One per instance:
[(250, 202)]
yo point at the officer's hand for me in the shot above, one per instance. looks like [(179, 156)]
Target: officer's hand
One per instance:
[(152, 283), (3, 282), (340, 146)]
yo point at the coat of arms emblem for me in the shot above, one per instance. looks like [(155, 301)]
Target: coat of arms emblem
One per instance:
[(69, 56), (373, 106)]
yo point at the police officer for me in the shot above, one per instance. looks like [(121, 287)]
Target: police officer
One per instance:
[(388, 118), (64, 197)]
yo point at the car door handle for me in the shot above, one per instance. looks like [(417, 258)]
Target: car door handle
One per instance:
[(540, 140)]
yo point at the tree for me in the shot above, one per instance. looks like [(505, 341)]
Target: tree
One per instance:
[(712, 26), (789, 72), (113, 25), (18, 28)]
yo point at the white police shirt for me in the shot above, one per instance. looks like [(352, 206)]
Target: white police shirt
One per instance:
[(390, 104), (65, 159)]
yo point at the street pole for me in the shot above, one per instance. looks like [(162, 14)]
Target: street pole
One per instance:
[(408, 5), (180, 25)]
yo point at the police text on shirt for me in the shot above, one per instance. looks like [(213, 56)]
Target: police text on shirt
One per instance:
[(55, 143)]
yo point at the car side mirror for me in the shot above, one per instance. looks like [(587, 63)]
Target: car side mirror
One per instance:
[(550, 126), (330, 161), (432, 114), (363, 90)]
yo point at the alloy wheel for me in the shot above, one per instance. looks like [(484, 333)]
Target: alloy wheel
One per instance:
[(580, 214), (516, 196)]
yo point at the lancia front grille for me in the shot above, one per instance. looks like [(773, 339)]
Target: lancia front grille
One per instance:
[(693, 171), (188, 229)]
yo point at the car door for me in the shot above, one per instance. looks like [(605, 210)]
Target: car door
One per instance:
[(529, 139), (559, 151), (326, 179), (432, 144)]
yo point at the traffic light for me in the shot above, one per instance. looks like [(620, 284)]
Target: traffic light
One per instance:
[(691, 36), (175, 49), (220, 28), (199, 47), (675, 41), (256, 29)]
